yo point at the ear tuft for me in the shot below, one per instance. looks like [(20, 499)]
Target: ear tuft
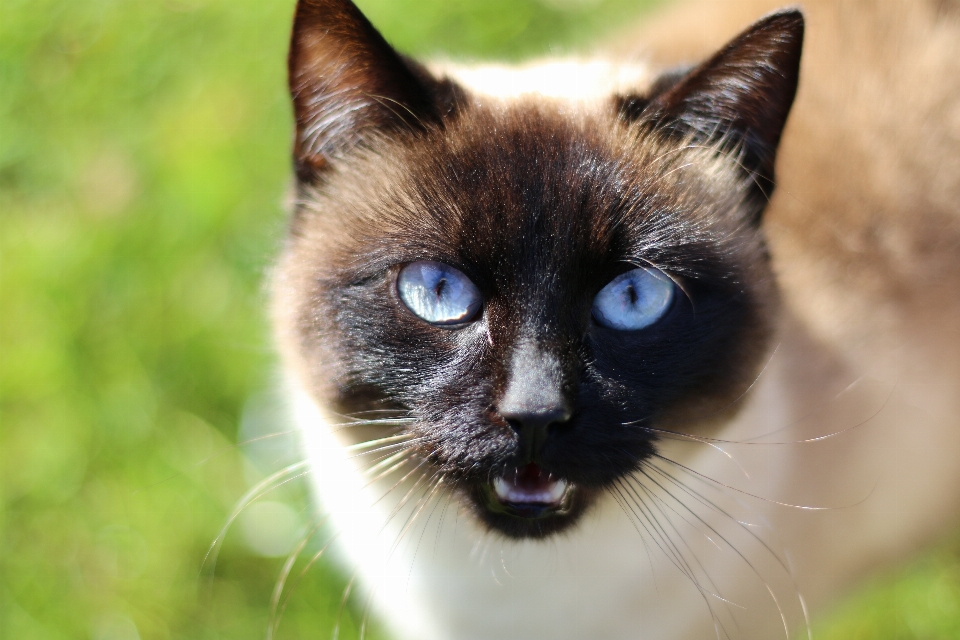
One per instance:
[(348, 85), (741, 96)]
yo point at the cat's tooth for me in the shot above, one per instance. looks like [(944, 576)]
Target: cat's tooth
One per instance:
[(502, 488), (557, 489)]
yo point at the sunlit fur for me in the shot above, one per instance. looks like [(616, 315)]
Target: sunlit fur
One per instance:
[(815, 443)]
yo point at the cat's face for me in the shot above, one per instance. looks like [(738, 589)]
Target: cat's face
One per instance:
[(536, 290)]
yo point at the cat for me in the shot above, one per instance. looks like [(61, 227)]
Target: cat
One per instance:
[(571, 360)]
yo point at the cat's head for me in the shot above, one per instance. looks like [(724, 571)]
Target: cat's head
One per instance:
[(538, 288)]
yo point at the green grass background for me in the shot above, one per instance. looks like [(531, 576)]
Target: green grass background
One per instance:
[(143, 162)]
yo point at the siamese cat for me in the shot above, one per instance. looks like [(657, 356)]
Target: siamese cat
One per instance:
[(663, 344)]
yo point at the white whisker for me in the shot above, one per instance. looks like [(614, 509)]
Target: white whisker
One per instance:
[(274, 624), (271, 483)]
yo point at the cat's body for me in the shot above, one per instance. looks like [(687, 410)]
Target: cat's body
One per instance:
[(825, 446)]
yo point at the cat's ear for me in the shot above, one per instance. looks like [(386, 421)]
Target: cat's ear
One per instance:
[(349, 86), (740, 97)]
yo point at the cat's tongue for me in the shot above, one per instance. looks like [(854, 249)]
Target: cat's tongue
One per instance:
[(530, 485)]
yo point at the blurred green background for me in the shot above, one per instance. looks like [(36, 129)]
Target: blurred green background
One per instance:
[(143, 163)]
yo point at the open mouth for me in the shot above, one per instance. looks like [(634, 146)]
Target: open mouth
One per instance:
[(529, 492)]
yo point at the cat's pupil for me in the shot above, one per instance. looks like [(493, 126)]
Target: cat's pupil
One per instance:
[(440, 287), (632, 295)]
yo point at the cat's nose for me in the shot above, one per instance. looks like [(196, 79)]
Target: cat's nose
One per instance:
[(534, 399), (533, 426)]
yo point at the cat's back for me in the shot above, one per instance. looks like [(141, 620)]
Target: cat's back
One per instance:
[(865, 224)]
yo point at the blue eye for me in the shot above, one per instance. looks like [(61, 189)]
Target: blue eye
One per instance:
[(438, 293), (633, 300)]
